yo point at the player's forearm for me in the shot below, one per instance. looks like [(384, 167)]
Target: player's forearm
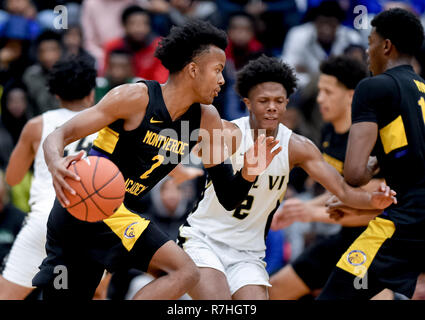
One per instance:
[(231, 189), (320, 215), (53, 146), (355, 197), (319, 200)]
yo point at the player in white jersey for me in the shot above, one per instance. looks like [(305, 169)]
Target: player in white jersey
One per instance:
[(229, 246), (72, 81)]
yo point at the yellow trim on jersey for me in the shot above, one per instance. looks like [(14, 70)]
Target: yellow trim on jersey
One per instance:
[(127, 225), (337, 164), (107, 140), (420, 85), (393, 135), (359, 256), (421, 103)]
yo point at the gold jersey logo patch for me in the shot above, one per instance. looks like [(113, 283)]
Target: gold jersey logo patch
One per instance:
[(129, 231), (356, 257)]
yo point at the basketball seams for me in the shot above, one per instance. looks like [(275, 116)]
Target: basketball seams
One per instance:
[(96, 191), (90, 198), (108, 198)]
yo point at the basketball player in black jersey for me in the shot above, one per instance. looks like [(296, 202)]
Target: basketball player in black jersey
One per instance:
[(338, 79), (145, 129), (388, 115), (310, 271)]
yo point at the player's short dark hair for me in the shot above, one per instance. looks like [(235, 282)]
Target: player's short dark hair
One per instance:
[(130, 10), (186, 42), (265, 69), (402, 27), (72, 78), (348, 71)]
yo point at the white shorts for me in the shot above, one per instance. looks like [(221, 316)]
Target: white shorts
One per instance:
[(28, 250), (241, 267)]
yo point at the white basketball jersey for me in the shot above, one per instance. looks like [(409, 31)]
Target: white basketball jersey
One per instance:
[(42, 193), (245, 227)]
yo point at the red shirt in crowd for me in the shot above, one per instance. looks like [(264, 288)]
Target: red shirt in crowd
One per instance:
[(145, 64)]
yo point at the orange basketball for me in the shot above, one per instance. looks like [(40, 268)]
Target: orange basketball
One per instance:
[(99, 192)]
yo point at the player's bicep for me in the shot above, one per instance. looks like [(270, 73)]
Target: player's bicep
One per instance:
[(122, 102), (361, 141), (213, 147)]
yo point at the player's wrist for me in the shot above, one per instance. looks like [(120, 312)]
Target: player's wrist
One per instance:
[(246, 176)]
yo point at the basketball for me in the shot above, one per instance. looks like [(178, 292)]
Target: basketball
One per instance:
[(99, 192)]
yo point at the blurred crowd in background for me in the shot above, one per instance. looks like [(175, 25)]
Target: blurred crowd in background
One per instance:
[(120, 37)]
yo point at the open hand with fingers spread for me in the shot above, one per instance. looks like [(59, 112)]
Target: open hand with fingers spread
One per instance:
[(383, 197), (59, 171), (259, 156)]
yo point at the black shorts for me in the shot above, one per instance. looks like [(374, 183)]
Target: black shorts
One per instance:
[(317, 261), (78, 252), (388, 254)]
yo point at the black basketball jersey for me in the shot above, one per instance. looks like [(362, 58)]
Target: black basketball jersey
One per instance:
[(148, 153), (333, 146), (395, 100)]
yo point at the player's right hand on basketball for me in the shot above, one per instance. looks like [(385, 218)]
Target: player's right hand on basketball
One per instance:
[(259, 156), (59, 171)]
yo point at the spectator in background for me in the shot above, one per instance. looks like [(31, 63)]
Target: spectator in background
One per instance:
[(166, 14), (119, 71), (11, 220), (357, 52), (14, 106), (14, 46), (307, 45), (49, 50), (273, 18), (141, 42), (72, 40), (24, 8), (101, 22), (6, 146), (242, 47)]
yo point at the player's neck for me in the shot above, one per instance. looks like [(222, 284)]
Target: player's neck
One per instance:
[(176, 97), (76, 105), (342, 125), (399, 61)]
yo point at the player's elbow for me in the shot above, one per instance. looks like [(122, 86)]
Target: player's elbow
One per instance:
[(11, 179), (355, 177), (228, 204), (355, 180)]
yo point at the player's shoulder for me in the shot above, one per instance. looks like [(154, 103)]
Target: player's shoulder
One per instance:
[(32, 129), (128, 94), (377, 84), (300, 149), (209, 116)]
